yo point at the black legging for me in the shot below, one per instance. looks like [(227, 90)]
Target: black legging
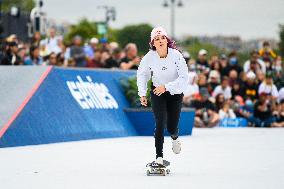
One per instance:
[(166, 110)]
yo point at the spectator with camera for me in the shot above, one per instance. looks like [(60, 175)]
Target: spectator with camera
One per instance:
[(267, 54), (268, 87), (11, 56), (226, 111), (254, 64)]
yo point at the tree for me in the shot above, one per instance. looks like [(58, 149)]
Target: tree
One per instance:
[(138, 34), (86, 29), (24, 5), (193, 45), (281, 36)]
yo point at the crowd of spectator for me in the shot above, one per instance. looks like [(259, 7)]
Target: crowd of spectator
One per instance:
[(51, 50), (219, 86)]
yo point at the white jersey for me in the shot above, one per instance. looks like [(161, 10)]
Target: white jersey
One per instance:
[(226, 92), (171, 71), (268, 89)]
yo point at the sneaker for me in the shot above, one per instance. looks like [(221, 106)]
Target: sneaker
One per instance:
[(176, 146), (159, 160)]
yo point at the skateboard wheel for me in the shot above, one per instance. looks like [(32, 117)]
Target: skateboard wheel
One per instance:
[(148, 172)]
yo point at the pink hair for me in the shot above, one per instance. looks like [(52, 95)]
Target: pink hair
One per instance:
[(171, 44)]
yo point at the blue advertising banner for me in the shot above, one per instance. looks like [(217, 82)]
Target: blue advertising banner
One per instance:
[(73, 105)]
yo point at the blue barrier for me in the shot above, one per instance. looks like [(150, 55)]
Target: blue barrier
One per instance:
[(143, 121), (233, 122)]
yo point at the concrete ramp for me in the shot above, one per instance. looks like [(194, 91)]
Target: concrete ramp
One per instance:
[(18, 83)]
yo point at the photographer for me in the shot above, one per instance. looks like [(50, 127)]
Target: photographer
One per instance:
[(11, 56)]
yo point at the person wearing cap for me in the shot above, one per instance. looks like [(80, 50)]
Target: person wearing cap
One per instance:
[(268, 87), (168, 70), (205, 111), (90, 48), (192, 89), (202, 63), (250, 87), (213, 80), (131, 59), (11, 56)]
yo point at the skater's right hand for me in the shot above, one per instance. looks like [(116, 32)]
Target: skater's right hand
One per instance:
[(143, 100)]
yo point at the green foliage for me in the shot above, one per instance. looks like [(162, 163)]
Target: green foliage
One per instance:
[(243, 57), (138, 34), (193, 45), (281, 36), (112, 34), (24, 5), (85, 28), (130, 88)]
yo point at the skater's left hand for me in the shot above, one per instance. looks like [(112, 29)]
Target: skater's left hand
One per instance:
[(159, 90)]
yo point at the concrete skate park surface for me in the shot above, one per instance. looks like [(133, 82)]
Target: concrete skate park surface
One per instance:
[(218, 158)]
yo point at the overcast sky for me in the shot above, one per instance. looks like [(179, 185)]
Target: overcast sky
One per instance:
[(245, 18)]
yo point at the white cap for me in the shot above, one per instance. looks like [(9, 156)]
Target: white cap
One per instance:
[(214, 74), (202, 52), (186, 54), (251, 75), (94, 40), (114, 45), (158, 31)]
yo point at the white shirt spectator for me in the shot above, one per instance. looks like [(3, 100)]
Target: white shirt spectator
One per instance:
[(281, 94), (226, 92), (229, 114), (261, 63), (52, 44), (268, 89), (192, 88)]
